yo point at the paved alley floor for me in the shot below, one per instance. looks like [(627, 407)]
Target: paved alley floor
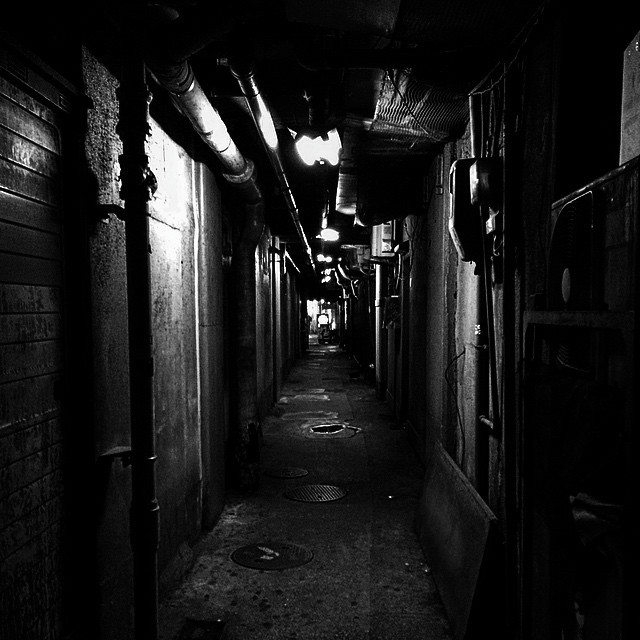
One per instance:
[(326, 548)]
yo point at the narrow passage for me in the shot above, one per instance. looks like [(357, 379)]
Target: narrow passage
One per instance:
[(326, 547)]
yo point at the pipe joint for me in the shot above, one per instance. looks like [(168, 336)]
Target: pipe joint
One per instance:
[(176, 78)]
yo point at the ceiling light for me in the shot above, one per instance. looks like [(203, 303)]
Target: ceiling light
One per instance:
[(330, 235), (315, 146)]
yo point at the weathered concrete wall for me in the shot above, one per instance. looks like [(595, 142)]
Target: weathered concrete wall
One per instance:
[(188, 327), (211, 340), (174, 325), (278, 340), (264, 325), (110, 355), (418, 310), (436, 245)]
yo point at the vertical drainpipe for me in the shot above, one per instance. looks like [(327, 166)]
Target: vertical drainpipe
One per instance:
[(246, 444), (380, 350), (482, 371), (138, 185)]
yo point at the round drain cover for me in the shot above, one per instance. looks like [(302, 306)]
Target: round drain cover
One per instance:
[(271, 556), (316, 493), (286, 472), (328, 428)]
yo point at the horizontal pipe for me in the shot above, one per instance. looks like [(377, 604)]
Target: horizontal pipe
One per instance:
[(244, 74), (180, 81)]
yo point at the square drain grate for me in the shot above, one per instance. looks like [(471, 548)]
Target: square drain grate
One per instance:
[(316, 493)]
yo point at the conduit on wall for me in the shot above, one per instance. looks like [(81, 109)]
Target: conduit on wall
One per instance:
[(138, 185), (244, 73)]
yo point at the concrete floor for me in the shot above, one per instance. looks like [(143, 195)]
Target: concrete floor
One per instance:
[(367, 578)]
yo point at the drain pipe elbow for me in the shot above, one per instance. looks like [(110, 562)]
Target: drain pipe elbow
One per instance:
[(185, 90)]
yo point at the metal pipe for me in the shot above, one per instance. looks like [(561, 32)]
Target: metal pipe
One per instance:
[(246, 434), (244, 74), (481, 390), (380, 351), (138, 185), (186, 92), (180, 81)]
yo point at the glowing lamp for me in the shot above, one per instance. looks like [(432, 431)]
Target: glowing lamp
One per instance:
[(315, 147), (330, 235)]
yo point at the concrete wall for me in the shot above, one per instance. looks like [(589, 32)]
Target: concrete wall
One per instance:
[(110, 354), (417, 352), (264, 325), (175, 327), (211, 339), (189, 379)]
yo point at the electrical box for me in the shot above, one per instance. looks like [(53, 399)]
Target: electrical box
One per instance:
[(485, 183), (630, 116), (465, 225), (383, 239), (593, 259)]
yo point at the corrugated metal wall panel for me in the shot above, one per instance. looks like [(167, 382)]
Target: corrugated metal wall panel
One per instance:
[(31, 366)]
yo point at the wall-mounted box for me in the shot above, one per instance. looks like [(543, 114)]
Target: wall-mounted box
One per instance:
[(383, 239), (630, 116)]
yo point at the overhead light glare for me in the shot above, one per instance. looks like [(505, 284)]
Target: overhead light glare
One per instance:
[(325, 147), (307, 149), (330, 235), (267, 126)]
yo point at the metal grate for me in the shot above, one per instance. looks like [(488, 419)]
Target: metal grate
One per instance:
[(271, 556), (316, 493)]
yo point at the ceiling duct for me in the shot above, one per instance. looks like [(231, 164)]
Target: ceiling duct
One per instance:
[(410, 110)]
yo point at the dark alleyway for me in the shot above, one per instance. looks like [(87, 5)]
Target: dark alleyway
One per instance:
[(367, 577)]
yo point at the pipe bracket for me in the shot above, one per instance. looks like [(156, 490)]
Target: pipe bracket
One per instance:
[(124, 453), (136, 177)]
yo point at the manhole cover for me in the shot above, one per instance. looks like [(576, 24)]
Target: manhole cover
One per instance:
[(270, 556), (328, 428), (316, 493), (333, 430), (286, 472)]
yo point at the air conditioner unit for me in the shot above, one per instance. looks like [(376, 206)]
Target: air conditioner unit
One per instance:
[(580, 405), (593, 258)]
